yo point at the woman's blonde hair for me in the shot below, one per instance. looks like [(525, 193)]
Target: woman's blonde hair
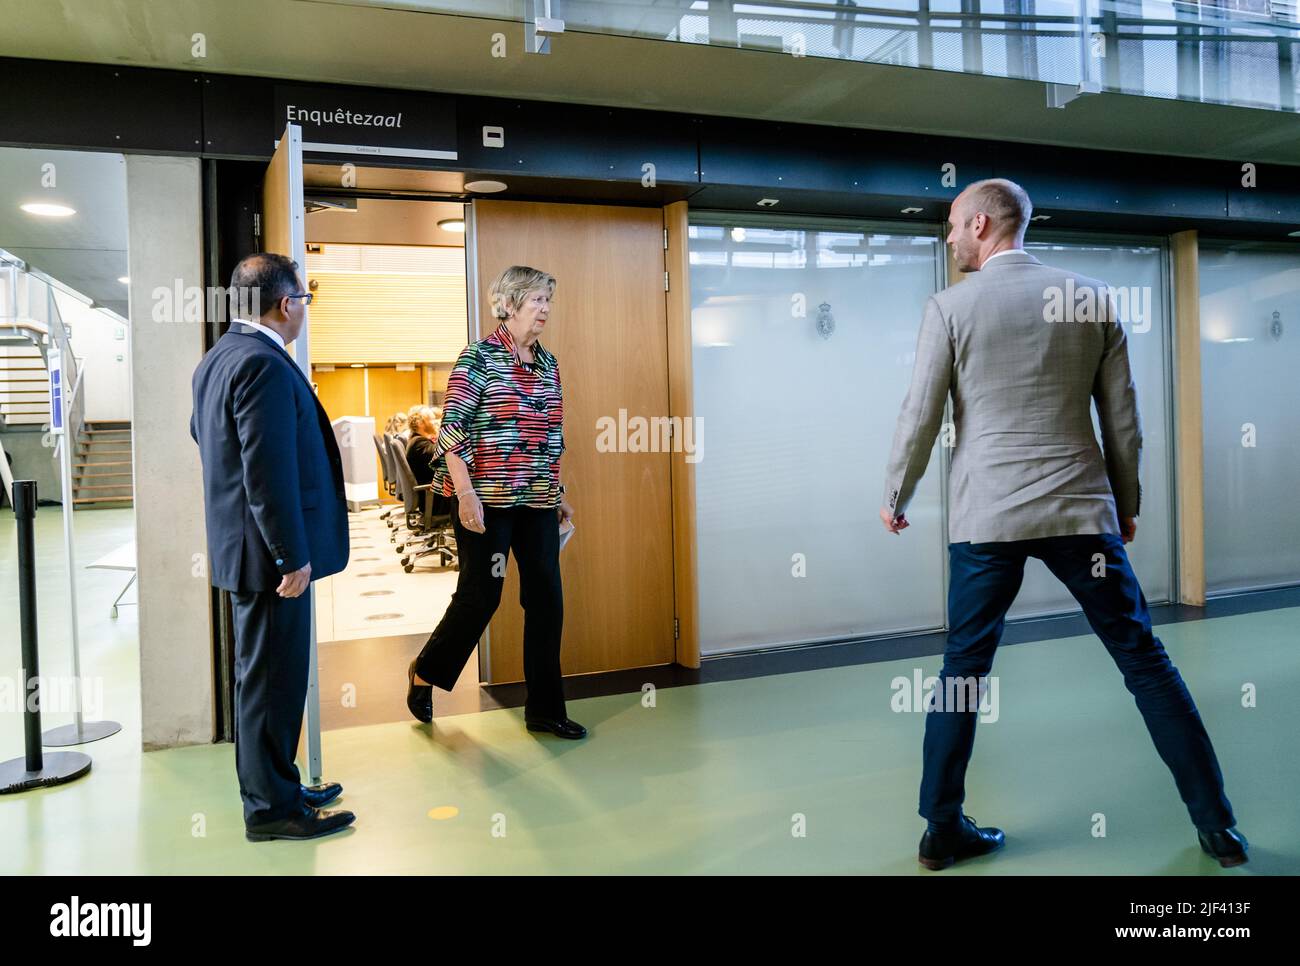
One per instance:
[(511, 287), (423, 419)]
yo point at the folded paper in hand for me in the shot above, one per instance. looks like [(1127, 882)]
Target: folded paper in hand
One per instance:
[(566, 531)]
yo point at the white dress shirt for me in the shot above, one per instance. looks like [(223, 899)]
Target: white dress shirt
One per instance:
[(265, 330), (1005, 251)]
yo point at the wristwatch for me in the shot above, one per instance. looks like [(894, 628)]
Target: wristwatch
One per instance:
[(561, 489)]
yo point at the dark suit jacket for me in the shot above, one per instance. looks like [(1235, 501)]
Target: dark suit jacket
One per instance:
[(272, 475)]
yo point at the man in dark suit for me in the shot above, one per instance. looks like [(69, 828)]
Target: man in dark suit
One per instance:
[(276, 520)]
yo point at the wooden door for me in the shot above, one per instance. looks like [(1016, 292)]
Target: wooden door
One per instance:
[(608, 329)]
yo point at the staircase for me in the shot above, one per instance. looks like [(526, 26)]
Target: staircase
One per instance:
[(101, 466), (31, 331), (24, 379)]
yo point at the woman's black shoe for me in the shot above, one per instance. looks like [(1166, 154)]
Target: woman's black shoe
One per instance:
[(419, 697), (562, 727)]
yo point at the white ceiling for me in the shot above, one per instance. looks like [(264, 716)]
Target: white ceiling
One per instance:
[(85, 251)]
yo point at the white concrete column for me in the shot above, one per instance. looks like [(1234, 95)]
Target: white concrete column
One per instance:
[(164, 197)]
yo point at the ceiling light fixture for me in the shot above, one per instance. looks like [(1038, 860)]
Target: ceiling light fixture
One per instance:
[(124, 279), (485, 187), (453, 224), (46, 210)]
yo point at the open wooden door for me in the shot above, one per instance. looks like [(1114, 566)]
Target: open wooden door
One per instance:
[(284, 232), (608, 330)]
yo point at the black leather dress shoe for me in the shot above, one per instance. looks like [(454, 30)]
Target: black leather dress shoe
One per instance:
[(1227, 845), (318, 796), (562, 727), (941, 849), (419, 697), (307, 824)]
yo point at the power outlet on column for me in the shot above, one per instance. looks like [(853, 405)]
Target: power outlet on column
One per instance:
[(494, 137)]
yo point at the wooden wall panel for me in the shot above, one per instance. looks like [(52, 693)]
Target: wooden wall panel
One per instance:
[(1189, 441)]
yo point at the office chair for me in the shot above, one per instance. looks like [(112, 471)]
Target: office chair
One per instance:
[(390, 475), (425, 528), (396, 450)]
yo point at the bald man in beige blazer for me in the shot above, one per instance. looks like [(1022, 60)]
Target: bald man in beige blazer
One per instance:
[(1025, 350)]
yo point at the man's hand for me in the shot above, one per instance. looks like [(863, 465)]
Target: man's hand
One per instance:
[(292, 585), (1128, 528), (565, 511), (893, 523)]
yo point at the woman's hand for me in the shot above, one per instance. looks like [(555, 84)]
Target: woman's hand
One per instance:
[(565, 511), (471, 511)]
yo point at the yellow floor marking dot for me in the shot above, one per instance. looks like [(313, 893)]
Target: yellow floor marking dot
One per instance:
[(443, 812)]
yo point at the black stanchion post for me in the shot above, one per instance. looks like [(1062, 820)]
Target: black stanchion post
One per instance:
[(36, 769)]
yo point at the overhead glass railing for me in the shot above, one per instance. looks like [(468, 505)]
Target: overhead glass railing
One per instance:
[(1239, 52)]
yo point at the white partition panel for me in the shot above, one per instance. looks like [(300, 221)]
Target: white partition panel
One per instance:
[(1250, 358), (804, 335)]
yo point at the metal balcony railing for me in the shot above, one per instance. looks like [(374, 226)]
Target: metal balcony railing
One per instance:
[(1239, 52)]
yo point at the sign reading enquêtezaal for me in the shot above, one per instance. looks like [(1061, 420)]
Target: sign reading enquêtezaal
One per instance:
[(371, 121)]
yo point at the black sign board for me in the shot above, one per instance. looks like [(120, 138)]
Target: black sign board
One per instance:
[(369, 121)]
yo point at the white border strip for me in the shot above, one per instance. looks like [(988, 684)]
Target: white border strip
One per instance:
[(322, 147)]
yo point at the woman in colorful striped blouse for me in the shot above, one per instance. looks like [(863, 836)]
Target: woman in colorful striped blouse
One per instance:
[(501, 438)]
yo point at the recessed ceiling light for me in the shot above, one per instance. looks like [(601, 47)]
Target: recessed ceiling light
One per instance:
[(452, 224), (911, 211), (768, 202), (358, 365), (47, 210), (485, 187), (1041, 218), (125, 279), (1293, 234)]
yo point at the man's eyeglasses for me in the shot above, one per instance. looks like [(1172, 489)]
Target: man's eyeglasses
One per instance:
[(301, 295)]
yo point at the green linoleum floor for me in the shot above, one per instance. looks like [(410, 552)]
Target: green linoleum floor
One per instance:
[(711, 780)]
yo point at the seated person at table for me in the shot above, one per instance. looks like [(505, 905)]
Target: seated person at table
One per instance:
[(421, 454)]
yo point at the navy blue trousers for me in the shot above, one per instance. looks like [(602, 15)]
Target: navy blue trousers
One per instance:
[(985, 578), (272, 651)]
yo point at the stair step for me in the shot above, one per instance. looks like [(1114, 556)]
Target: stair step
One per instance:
[(106, 463), (101, 432), (114, 423), (102, 499), (81, 477), (107, 452), (104, 486)]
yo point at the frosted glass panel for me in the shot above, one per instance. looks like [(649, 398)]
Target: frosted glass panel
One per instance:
[(1250, 358), (1138, 271), (803, 342)]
